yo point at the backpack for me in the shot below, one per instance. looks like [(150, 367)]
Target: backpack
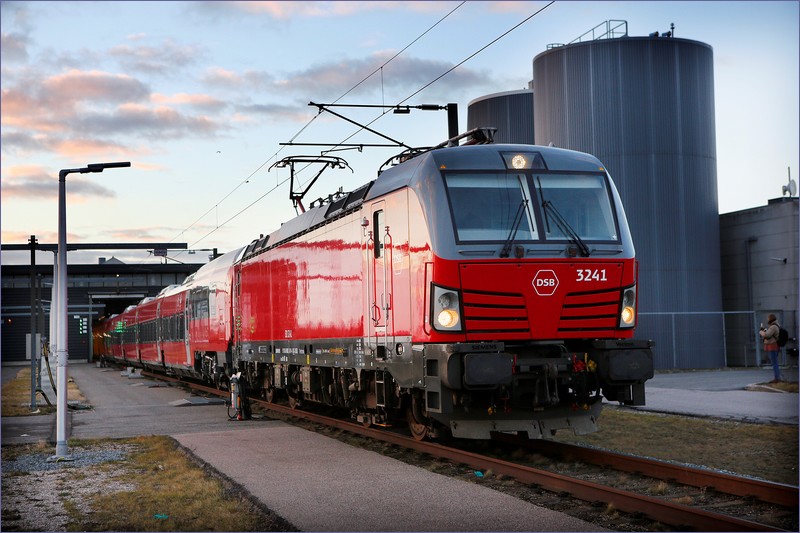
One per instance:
[(783, 337)]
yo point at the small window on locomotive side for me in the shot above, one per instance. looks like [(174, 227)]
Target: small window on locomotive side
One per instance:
[(377, 225)]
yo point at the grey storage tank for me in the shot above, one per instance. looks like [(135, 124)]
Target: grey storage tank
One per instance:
[(510, 112), (645, 107)]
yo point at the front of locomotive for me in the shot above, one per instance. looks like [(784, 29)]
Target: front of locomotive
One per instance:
[(532, 292)]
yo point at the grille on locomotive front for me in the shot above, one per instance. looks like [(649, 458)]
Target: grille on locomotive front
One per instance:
[(495, 312), (505, 315), (588, 312)]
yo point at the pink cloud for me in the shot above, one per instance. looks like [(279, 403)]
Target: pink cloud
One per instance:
[(49, 105), (198, 100), (80, 113), (14, 47), (285, 10), (149, 167), (165, 58), (36, 182), (77, 86), (22, 237), (91, 149), (26, 171), (141, 234), (21, 110), (248, 79)]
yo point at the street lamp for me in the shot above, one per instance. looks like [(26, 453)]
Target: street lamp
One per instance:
[(61, 321)]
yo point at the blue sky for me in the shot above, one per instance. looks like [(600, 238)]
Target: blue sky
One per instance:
[(199, 96)]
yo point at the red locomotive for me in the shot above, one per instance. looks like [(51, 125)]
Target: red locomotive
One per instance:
[(470, 289)]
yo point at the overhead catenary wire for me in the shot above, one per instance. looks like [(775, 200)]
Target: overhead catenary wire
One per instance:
[(274, 156), (251, 204), (407, 98), (385, 63)]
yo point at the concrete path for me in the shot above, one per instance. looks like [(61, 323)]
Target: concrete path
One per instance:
[(322, 484), (722, 394)]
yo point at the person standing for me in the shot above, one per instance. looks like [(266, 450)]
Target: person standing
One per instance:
[(770, 336)]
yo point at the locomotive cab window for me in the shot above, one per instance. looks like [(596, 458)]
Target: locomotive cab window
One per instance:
[(491, 206), (584, 203), (530, 207)]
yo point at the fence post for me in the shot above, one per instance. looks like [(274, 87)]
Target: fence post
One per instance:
[(724, 342), (674, 343), (757, 344)]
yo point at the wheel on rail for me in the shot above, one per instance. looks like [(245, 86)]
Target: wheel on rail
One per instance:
[(294, 402), (269, 394), (418, 423)]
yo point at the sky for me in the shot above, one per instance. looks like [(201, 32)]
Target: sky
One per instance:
[(200, 96)]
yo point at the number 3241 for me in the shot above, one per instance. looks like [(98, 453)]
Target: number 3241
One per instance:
[(589, 274)]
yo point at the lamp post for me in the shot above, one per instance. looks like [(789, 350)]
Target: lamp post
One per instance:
[(61, 321), (33, 243)]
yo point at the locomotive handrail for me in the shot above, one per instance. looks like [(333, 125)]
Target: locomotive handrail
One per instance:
[(370, 299), (388, 272), (375, 316)]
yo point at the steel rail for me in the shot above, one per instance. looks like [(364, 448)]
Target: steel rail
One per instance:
[(765, 491), (657, 509)]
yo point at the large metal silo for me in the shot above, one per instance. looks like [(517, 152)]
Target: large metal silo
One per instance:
[(645, 107), (510, 112)]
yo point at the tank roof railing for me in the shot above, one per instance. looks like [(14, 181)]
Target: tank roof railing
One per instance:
[(610, 29)]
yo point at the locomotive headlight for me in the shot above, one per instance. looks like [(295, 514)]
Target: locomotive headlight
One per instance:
[(522, 160), (445, 309), (447, 318), (627, 316), (519, 161)]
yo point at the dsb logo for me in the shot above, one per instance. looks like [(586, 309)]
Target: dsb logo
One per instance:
[(545, 283)]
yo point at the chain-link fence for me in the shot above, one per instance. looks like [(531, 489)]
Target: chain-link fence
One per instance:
[(713, 339)]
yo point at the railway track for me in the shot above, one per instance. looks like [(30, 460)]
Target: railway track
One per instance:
[(765, 491), (658, 509)]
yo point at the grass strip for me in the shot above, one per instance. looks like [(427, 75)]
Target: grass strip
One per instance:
[(765, 451), (172, 492), (16, 396)]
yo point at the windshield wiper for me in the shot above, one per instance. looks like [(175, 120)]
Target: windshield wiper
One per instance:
[(565, 228), (514, 227), (561, 222)]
